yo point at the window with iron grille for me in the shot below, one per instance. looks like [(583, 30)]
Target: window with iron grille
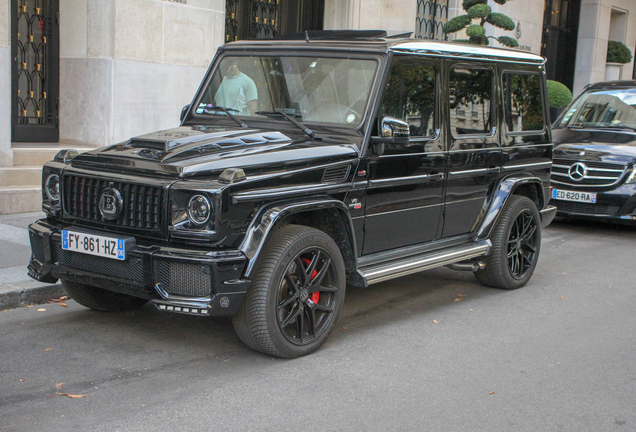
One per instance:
[(431, 17)]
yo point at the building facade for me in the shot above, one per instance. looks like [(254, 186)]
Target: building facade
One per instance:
[(94, 72)]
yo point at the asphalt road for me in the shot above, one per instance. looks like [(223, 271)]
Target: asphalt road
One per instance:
[(429, 352)]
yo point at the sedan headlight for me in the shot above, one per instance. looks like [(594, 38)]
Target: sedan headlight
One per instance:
[(52, 187), (632, 176), (199, 209)]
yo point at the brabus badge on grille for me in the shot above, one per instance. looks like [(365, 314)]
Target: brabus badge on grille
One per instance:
[(111, 203)]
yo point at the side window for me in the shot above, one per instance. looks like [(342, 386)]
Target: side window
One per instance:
[(410, 95), (471, 96), (522, 98)]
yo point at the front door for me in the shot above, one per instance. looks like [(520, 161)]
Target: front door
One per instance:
[(34, 70), (404, 198)]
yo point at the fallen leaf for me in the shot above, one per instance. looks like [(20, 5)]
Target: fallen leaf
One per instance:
[(64, 298), (471, 310), (29, 306), (344, 328), (458, 299), (436, 322), (48, 349), (562, 297), (491, 393), (63, 304), (41, 310), (22, 380), (71, 395), (59, 385)]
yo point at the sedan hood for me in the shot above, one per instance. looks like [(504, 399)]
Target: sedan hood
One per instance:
[(594, 145), (190, 151)]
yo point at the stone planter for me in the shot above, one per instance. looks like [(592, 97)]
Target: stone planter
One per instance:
[(613, 71)]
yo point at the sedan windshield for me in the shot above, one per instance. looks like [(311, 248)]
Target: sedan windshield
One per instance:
[(615, 108), (312, 89)]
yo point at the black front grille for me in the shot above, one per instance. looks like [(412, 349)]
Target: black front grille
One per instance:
[(585, 208), (185, 279), (132, 269), (37, 247), (599, 174), (142, 204)]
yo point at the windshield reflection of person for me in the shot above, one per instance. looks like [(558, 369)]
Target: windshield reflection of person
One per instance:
[(237, 91)]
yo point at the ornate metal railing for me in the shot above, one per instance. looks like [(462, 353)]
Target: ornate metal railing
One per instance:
[(265, 19), (431, 17), (231, 20), (31, 61)]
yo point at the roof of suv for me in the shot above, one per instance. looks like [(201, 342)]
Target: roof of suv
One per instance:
[(386, 44), (612, 84)]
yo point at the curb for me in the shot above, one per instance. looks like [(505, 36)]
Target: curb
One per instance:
[(21, 294)]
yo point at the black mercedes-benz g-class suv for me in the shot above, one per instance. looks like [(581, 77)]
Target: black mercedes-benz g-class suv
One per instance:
[(304, 166)]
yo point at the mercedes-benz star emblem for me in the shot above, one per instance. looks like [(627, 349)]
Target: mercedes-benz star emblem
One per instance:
[(578, 171), (111, 203)]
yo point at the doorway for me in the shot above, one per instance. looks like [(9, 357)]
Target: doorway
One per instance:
[(559, 38)]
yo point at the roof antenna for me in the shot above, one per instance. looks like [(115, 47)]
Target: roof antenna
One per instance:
[(307, 36)]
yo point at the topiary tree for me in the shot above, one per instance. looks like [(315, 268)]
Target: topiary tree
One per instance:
[(479, 10), (559, 96), (617, 52)]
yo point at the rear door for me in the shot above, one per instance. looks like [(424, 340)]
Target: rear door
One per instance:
[(474, 154)]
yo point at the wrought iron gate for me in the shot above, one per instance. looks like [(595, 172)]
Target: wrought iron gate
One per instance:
[(431, 17), (35, 70)]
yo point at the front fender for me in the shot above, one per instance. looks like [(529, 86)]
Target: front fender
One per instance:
[(271, 215), (505, 189)]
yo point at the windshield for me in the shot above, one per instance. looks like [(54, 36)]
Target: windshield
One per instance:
[(312, 89), (614, 108)]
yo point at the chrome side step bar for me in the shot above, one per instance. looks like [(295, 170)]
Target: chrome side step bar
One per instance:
[(416, 263)]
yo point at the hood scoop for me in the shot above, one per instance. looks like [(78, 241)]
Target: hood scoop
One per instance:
[(254, 139), (176, 141)]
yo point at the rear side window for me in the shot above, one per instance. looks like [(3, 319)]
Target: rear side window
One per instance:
[(471, 96), (522, 98)]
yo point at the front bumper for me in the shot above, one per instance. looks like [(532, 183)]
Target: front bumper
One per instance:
[(618, 205), (191, 281)]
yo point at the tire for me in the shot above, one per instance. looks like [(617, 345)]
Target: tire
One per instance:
[(100, 299), (296, 295), (516, 242)]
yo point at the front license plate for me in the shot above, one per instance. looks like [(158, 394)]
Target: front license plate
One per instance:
[(586, 197), (107, 247)]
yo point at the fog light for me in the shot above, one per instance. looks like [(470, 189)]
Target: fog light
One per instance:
[(204, 311), (162, 307), (170, 308)]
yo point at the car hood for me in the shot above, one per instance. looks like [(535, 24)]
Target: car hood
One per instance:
[(191, 151), (594, 145)]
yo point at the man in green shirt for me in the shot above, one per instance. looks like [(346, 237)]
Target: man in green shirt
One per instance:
[(237, 91)]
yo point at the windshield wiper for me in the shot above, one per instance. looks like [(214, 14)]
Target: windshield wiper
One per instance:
[(301, 126), (229, 114)]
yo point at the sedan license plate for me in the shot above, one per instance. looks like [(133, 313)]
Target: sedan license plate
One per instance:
[(586, 197), (107, 247)]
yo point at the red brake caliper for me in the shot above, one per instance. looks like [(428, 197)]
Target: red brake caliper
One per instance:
[(314, 297)]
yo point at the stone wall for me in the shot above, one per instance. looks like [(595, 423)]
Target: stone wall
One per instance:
[(6, 155), (394, 16), (127, 67)]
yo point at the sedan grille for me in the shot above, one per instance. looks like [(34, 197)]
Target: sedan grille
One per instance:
[(591, 174), (142, 204)]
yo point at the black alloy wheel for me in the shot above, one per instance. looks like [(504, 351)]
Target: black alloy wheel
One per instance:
[(306, 296), (295, 296), (516, 242)]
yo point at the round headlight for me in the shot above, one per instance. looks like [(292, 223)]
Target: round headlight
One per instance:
[(199, 209), (52, 187)]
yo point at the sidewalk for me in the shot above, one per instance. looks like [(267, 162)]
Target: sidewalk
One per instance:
[(16, 288)]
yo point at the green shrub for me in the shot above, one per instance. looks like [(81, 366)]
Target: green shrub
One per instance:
[(508, 41), (479, 11), (559, 96), (476, 31), (501, 2), (467, 4), (456, 24), (617, 52), (501, 21)]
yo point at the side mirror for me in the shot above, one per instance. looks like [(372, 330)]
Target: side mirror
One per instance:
[(184, 111), (394, 133)]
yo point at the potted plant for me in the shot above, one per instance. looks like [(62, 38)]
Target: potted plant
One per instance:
[(559, 96), (617, 55)]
